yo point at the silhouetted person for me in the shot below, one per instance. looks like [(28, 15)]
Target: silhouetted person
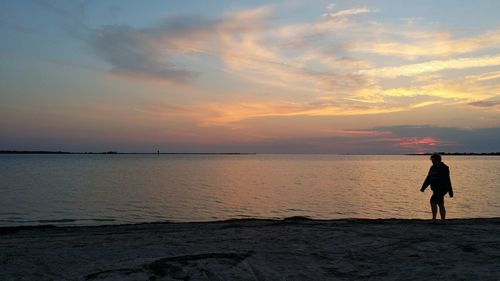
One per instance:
[(439, 180)]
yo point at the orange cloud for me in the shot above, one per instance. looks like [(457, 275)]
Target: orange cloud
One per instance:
[(322, 69), (233, 112), (432, 66), (428, 44)]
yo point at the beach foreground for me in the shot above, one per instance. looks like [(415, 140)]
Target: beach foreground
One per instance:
[(290, 249)]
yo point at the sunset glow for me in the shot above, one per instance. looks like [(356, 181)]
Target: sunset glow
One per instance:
[(250, 76)]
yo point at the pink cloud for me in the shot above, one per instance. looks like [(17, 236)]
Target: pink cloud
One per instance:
[(418, 143)]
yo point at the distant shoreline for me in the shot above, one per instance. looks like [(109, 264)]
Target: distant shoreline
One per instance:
[(227, 153), (459, 154), (114, 152)]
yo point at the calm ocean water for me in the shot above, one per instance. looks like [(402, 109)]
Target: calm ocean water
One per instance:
[(112, 189)]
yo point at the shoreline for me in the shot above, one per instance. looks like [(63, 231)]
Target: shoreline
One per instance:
[(249, 219), (295, 248), (66, 223)]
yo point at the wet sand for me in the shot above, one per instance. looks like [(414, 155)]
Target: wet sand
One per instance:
[(290, 249)]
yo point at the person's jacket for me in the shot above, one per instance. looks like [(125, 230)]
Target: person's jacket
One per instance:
[(439, 179)]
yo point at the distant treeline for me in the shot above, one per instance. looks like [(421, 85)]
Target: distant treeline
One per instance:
[(114, 152), (462, 153), (51, 152), (211, 153)]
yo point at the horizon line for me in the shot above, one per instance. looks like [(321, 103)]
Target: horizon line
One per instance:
[(238, 153)]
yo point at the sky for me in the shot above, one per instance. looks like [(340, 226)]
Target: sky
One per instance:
[(347, 77)]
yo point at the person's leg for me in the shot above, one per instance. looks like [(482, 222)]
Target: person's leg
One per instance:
[(434, 210), (442, 211)]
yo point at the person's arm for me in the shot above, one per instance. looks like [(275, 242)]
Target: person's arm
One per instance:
[(448, 182), (427, 182)]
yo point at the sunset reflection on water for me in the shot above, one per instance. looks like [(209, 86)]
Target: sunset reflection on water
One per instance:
[(85, 189)]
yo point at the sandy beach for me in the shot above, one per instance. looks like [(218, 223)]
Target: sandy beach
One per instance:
[(290, 249)]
